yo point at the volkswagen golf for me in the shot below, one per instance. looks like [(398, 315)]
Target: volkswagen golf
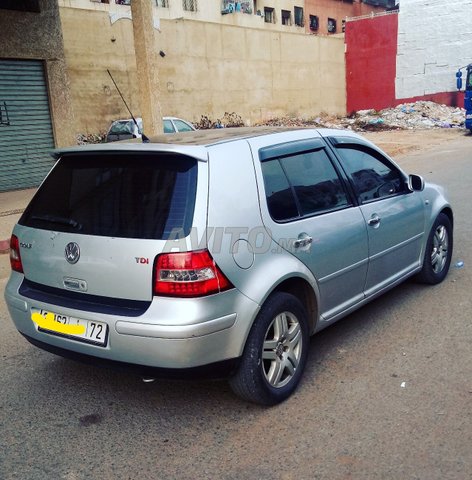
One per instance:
[(218, 253)]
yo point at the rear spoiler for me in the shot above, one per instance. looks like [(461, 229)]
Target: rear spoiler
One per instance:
[(196, 151)]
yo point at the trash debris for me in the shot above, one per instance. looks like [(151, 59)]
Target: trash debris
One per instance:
[(419, 115), (86, 138), (228, 120), (403, 385), (409, 116), (459, 264)]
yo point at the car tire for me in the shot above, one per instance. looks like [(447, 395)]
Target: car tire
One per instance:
[(275, 353), (438, 252)]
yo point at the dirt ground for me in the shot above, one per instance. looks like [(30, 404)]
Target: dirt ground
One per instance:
[(401, 142)]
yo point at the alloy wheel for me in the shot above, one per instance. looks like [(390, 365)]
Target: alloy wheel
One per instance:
[(282, 349), (440, 249)]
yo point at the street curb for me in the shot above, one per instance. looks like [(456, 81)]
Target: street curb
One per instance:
[(4, 246)]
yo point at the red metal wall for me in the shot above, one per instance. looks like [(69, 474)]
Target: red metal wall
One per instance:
[(371, 50)]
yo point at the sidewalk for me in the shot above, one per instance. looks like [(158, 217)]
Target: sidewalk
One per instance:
[(12, 205)]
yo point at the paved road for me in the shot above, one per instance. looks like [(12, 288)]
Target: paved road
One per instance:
[(350, 419)]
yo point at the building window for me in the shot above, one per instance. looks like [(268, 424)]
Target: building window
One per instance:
[(298, 16), (314, 23), (230, 6), (331, 25), (190, 5), (162, 3), (21, 5), (343, 25), (269, 15), (286, 17)]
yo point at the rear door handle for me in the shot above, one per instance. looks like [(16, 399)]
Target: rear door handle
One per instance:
[(374, 220), (302, 241)]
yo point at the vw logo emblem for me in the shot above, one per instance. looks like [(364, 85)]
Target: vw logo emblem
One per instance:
[(72, 252)]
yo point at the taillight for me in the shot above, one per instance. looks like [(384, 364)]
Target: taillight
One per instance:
[(15, 258), (189, 274)]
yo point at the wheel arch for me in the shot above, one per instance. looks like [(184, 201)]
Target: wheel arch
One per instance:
[(301, 289), (448, 212)]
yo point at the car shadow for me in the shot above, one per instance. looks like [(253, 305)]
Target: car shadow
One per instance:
[(114, 388)]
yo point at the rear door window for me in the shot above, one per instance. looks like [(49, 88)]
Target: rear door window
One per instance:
[(117, 195), (182, 126), (168, 127), (280, 197), (302, 184)]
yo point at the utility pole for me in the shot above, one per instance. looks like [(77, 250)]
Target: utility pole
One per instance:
[(146, 64)]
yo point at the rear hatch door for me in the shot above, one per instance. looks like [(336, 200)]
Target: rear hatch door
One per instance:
[(100, 219)]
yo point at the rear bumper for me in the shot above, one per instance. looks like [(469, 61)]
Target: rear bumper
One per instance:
[(173, 334), (218, 370)]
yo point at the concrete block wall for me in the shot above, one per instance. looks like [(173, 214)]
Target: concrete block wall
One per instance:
[(208, 69), (434, 40)]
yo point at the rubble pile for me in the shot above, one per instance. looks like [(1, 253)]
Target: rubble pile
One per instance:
[(86, 138), (228, 120), (407, 116)]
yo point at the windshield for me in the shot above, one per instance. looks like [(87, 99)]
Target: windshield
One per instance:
[(117, 195), (468, 84)]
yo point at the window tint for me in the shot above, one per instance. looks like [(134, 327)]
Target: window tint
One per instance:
[(315, 181), (372, 178), (182, 126), (302, 184), (168, 127), (128, 196), (280, 199)]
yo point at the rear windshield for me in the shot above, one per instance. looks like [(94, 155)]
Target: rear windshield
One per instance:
[(125, 195), (118, 128)]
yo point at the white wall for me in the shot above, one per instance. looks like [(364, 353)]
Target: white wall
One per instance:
[(434, 40)]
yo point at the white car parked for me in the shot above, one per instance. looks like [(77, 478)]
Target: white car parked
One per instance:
[(126, 128)]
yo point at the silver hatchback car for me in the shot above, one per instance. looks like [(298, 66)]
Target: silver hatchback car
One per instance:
[(219, 252)]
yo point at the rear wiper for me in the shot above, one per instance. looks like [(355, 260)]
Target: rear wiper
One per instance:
[(60, 220)]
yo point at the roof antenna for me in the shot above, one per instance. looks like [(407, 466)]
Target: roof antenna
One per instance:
[(143, 137)]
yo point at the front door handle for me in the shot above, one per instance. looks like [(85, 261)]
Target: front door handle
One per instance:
[(374, 220)]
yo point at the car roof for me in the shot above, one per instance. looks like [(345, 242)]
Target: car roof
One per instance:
[(139, 119), (195, 143)]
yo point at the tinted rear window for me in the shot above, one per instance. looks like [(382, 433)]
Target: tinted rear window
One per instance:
[(127, 196), (118, 128)]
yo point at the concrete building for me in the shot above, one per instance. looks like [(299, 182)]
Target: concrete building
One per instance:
[(327, 17), (35, 113), (321, 17)]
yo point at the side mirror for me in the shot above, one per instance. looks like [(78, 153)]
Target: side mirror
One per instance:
[(415, 183), (459, 80)]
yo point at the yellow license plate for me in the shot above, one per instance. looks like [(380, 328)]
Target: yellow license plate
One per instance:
[(90, 331)]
